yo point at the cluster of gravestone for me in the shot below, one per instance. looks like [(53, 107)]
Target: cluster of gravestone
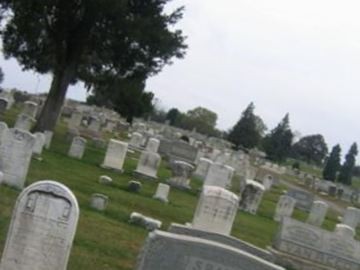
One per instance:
[(45, 216)]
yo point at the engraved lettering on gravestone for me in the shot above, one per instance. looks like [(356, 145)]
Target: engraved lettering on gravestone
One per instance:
[(194, 263)]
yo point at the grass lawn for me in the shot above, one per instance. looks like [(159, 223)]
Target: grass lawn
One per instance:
[(105, 240)]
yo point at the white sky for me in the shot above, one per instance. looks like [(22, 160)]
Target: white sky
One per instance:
[(296, 56)]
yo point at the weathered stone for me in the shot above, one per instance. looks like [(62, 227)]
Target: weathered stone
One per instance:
[(134, 186), (284, 207), (216, 210), (39, 143), (75, 120), (168, 251), (181, 172), (251, 196), (345, 231), (203, 168), (153, 145), (219, 175), (162, 192), (48, 138), (3, 129), (304, 199), (351, 217), (15, 156), (115, 155), (317, 213), (105, 180), (99, 201), (182, 151), (148, 165), (3, 104), (136, 140), (24, 122), (30, 108), (77, 148), (148, 223), (42, 228)]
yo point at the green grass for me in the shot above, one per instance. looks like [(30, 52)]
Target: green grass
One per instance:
[(105, 240)]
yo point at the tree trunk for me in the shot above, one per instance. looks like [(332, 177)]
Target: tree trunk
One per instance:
[(55, 99)]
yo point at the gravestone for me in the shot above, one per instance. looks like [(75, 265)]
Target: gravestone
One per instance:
[(148, 165), (48, 138), (134, 186), (168, 251), (351, 217), (317, 213), (153, 145), (136, 140), (216, 210), (304, 199), (115, 155), (219, 175), (203, 168), (162, 192), (30, 108), (3, 130), (99, 201), (251, 197), (284, 207), (42, 228), (304, 246), (3, 104), (75, 120), (77, 147), (182, 151), (105, 180), (15, 156), (39, 143), (344, 231), (95, 124), (181, 172), (24, 122)]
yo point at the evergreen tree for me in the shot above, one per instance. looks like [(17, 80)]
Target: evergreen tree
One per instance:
[(246, 131), (311, 148), (346, 171), (173, 115), (277, 144), (85, 40), (332, 164)]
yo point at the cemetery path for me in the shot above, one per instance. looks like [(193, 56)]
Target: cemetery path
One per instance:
[(337, 208)]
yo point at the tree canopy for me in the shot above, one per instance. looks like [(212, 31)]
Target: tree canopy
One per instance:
[(277, 144), (346, 170), (311, 149), (247, 131), (332, 165), (87, 40)]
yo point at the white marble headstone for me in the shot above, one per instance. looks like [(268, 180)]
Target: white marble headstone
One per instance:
[(77, 147), (219, 175), (42, 228), (115, 155), (284, 207), (15, 156), (148, 164), (162, 192), (318, 213), (39, 143)]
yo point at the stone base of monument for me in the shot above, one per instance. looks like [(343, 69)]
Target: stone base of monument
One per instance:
[(113, 169), (296, 263), (141, 175), (178, 185), (222, 239), (37, 157)]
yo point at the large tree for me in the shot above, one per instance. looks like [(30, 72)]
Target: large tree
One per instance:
[(311, 148), (277, 144), (346, 170), (199, 118), (125, 96), (82, 40), (247, 131), (173, 116), (332, 165)]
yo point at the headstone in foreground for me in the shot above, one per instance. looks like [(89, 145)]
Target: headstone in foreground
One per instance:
[(42, 228)]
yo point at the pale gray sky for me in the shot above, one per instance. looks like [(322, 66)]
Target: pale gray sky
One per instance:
[(296, 56)]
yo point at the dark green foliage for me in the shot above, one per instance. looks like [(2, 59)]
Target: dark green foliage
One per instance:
[(84, 40), (277, 144), (125, 96), (346, 170), (247, 131), (296, 165), (173, 116), (332, 165), (311, 148)]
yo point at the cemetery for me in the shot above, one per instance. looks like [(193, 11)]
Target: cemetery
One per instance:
[(119, 207), (110, 159)]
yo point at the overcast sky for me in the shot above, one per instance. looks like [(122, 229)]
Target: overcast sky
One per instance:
[(296, 56)]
